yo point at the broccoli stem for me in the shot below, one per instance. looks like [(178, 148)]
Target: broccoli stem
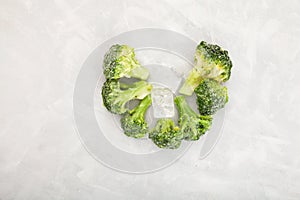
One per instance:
[(139, 72), (192, 81), (138, 91), (183, 106), (124, 86), (140, 110)]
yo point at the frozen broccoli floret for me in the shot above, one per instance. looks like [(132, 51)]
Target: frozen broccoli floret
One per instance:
[(211, 96), (120, 62), (133, 122), (192, 125), (166, 134), (115, 98), (211, 61)]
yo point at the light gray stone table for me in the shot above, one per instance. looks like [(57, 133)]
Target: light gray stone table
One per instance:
[(42, 47)]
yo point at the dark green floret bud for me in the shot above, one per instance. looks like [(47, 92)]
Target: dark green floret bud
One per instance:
[(133, 122), (192, 125), (166, 134), (211, 96), (210, 61), (120, 62)]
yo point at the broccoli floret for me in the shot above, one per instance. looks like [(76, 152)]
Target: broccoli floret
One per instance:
[(211, 61), (120, 62), (211, 96), (192, 125), (166, 134), (115, 98), (133, 122)]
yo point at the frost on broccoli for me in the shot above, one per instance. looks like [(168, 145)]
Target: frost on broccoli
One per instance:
[(115, 98), (166, 134), (133, 122), (211, 61), (120, 62), (211, 96), (192, 125)]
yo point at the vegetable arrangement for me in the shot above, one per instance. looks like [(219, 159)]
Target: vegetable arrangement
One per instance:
[(212, 67)]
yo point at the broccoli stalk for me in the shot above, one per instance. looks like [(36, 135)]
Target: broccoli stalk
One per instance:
[(120, 62), (133, 122), (191, 82), (211, 96), (166, 134), (191, 124), (139, 72), (211, 61), (115, 98)]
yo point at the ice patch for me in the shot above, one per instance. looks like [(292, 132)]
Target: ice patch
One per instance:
[(163, 103)]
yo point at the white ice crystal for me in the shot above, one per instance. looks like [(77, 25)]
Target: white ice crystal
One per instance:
[(162, 101)]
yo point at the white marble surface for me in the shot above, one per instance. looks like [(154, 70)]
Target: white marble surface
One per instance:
[(43, 45)]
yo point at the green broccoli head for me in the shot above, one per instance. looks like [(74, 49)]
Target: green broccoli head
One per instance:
[(211, 96), (211, 61), (191, 124), (166, 134), (133, 122), (120, 62), (115, 98)]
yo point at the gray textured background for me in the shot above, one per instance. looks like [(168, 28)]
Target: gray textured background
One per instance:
[(42, 47)]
